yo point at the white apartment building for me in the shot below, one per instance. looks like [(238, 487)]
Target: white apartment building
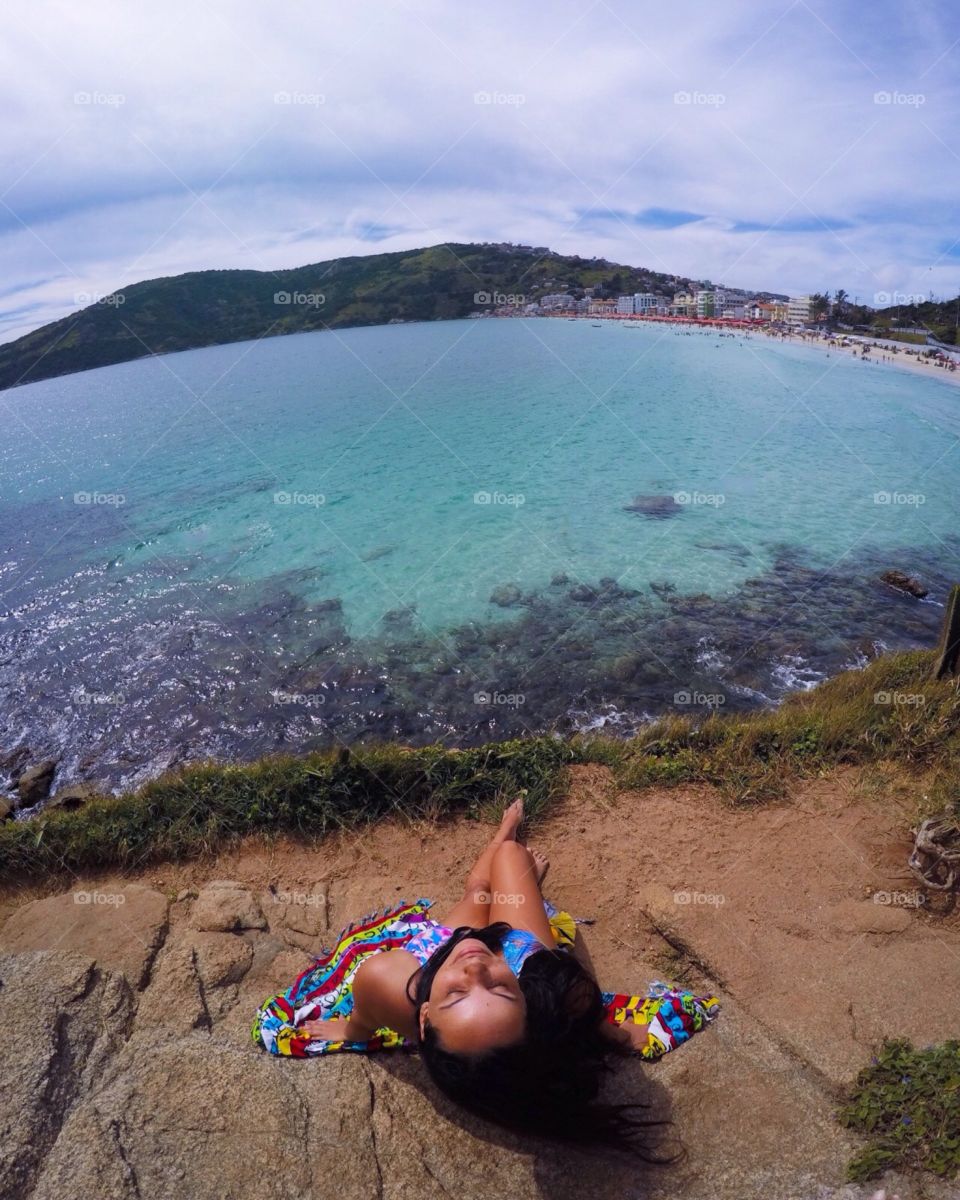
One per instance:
[(645, 303), (799, 310), (625, 306)]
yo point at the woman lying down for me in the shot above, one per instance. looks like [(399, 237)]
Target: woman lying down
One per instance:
[(509, 1023)]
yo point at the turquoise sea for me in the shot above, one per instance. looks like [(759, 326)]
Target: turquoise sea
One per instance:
[(433, 532)]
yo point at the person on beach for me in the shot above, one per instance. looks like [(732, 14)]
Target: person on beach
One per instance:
[(508, 1020)]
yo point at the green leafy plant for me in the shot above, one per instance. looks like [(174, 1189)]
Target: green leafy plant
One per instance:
[(907, 1102)]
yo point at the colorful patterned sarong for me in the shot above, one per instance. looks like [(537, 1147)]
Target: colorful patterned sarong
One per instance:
[(325, 989), (673, 1016)]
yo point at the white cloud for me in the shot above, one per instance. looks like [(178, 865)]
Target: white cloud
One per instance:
[(382, 130)]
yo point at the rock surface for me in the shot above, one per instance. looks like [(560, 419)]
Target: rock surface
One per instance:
[(128, 1071), (34, 784)]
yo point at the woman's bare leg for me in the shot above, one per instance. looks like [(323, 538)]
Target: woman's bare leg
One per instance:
[(474, 908), (515, 890)]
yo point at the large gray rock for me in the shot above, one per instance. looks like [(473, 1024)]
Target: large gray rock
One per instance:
[(62, 1020), (223, 905), (121, 928)]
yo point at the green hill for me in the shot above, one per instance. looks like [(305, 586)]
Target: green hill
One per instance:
[(210, 308)]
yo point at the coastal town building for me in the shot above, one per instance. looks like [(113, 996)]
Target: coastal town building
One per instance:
[(556, 302), (684, 305), (799, 310)]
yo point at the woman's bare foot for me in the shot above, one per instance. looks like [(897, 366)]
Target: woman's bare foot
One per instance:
[(511, 821), (542, 865)]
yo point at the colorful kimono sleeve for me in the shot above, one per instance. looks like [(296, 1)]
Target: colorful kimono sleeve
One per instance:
[(274, 1030), (673, 1016)]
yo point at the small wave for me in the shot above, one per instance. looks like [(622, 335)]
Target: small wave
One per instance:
[(794, 673), (710, 656), (607, 719)]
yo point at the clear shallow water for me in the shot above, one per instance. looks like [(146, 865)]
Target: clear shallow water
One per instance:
[(282, 543)]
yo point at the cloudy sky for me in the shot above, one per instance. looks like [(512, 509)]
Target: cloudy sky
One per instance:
[(792, 146)]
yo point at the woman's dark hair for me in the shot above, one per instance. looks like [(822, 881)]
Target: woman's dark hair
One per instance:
[(547, 1083)]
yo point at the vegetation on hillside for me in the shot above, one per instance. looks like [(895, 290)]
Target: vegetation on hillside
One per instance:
[(900, 321), (209, 308)]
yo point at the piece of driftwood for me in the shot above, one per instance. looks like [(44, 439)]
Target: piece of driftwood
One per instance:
[(935, 860), (948, 653)]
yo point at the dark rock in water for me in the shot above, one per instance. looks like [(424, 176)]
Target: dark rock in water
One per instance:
[(73, 796), (582, 594), (559, 579), (905, 583), (334, 604), (506, 595), (34, 783), (663, 590), (625, 667), (14, 761), (655, 507), (399, 618)]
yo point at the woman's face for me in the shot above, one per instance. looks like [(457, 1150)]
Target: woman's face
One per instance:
[(475, 1002)]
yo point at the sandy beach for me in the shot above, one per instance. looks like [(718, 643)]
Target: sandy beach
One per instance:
[(878, 353)]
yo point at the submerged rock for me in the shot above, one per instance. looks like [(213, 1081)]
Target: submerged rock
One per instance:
[(905, 583), (506, 595), (655, 507)]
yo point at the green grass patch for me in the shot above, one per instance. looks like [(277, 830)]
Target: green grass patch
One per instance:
[(908, 1105), (889, 713), (205, 806), (891, 710)]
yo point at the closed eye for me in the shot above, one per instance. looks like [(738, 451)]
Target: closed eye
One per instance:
[(460, 993)]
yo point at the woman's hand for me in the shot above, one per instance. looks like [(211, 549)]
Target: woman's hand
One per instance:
[(335, 1029), (636, 1035), (626, 1033)]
